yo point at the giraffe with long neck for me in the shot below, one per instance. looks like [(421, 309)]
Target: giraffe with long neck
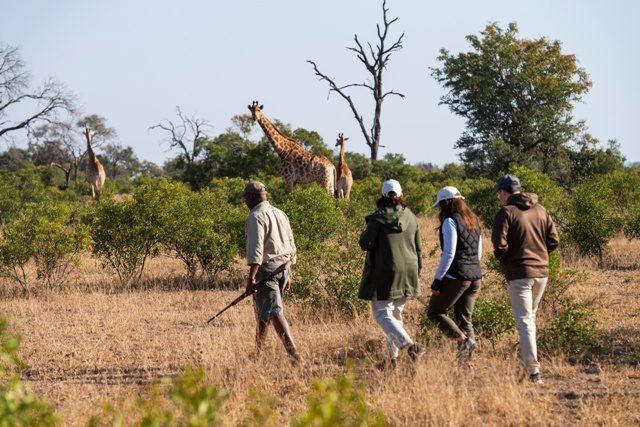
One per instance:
[(95, 171), (298, 166), (345, 177)]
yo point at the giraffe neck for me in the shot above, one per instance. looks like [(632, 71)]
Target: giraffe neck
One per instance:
[(280, 142), (92, 155), (342, 162)]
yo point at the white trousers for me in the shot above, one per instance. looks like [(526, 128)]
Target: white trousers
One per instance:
[(388, 314), (524, 296)]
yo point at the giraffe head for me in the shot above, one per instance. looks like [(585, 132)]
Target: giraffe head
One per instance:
[(341, 139), (255, 109)]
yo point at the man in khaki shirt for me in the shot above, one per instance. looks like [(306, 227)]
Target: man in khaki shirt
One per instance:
[(269, 244)]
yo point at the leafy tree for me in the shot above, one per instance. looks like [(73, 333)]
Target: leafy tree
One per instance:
[(359, 164), (588, 159), (516, 95), (375, 62)]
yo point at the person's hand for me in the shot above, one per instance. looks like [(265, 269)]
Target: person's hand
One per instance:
[(251, 286), (436, 286), (287, 285)]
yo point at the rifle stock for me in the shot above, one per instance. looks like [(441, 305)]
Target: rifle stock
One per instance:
[(244, 294)]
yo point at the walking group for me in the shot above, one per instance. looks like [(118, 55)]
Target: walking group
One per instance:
[(523, 235)]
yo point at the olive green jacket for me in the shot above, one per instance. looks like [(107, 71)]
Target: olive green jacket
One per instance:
[(393, 262)]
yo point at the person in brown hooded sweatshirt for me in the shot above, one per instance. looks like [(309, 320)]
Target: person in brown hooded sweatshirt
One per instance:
[(523, 235)]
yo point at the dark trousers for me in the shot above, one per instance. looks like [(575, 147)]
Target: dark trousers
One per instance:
[(461, 295)]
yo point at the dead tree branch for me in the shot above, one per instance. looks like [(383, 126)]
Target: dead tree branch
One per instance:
[(375, 60), (186, 135)]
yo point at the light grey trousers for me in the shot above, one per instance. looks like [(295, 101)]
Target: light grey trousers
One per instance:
[(388, 314), (524, 296)]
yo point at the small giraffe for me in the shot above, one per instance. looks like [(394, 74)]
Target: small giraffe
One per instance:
[(345, 177), (95, 171), (298, 166)]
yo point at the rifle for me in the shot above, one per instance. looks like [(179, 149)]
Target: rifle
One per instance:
[(244, 294)]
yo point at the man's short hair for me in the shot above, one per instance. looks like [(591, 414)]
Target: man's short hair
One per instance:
[(508, 183), (254, 187)]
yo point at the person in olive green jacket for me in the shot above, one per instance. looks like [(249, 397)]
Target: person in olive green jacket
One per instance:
[(392, 267)]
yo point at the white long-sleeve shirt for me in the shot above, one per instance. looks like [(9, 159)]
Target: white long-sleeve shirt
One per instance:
[(450, 241)]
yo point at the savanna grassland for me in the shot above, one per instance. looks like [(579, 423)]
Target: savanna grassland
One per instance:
[(92, 342)]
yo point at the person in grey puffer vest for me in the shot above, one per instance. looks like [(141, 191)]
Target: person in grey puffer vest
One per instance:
[(523, 235), (392, 267), (458, 276)]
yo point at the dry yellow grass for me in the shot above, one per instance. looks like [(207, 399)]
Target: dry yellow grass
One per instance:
[(90, 343)]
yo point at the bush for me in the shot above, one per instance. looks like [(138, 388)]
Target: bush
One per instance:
[(122, 237), (572, 331), (491, 319), (183, 401), (50, 235), (592, 219), (340, 401), (330, 260)]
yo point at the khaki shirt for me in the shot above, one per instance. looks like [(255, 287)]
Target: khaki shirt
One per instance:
[(269, 236)]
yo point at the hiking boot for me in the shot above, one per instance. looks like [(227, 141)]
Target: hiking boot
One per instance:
[(536, 378), (465, 350), (416, 351)]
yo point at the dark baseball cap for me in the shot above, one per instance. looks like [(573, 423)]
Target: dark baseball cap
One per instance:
[(508, 182), (254, 187)]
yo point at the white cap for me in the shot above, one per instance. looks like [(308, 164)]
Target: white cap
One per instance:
[(391, 185), (447, 193)]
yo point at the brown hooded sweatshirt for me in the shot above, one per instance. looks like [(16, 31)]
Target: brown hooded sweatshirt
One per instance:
[(523, 235)]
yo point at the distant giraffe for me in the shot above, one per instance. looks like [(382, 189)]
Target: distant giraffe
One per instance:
[(298, 166), (95, 171), (345, 177)]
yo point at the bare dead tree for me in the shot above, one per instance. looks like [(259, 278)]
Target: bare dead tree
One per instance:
[(375, 61), (41, 104), (187, 135)]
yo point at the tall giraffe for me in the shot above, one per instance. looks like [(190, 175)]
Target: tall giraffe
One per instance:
[(298, 165), (95, 171), (345, 177)]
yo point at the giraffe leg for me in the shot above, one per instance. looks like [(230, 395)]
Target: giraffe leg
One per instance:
[(289, 185)]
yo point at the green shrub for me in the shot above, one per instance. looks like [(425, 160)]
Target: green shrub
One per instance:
[(49, 234), (183, 401), (592, 218), (491, 319), (263, 410), (19, 406), (572, 331), (207, 232), (329, 262), (338, 402), (550, 194), (122, 237), (314, 215)]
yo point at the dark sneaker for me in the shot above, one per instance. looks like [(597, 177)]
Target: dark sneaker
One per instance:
[(416, 351), (536, 379), (393, 363), (465, 350)]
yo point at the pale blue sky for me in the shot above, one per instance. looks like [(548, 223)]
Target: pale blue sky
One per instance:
[(133, 62)]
